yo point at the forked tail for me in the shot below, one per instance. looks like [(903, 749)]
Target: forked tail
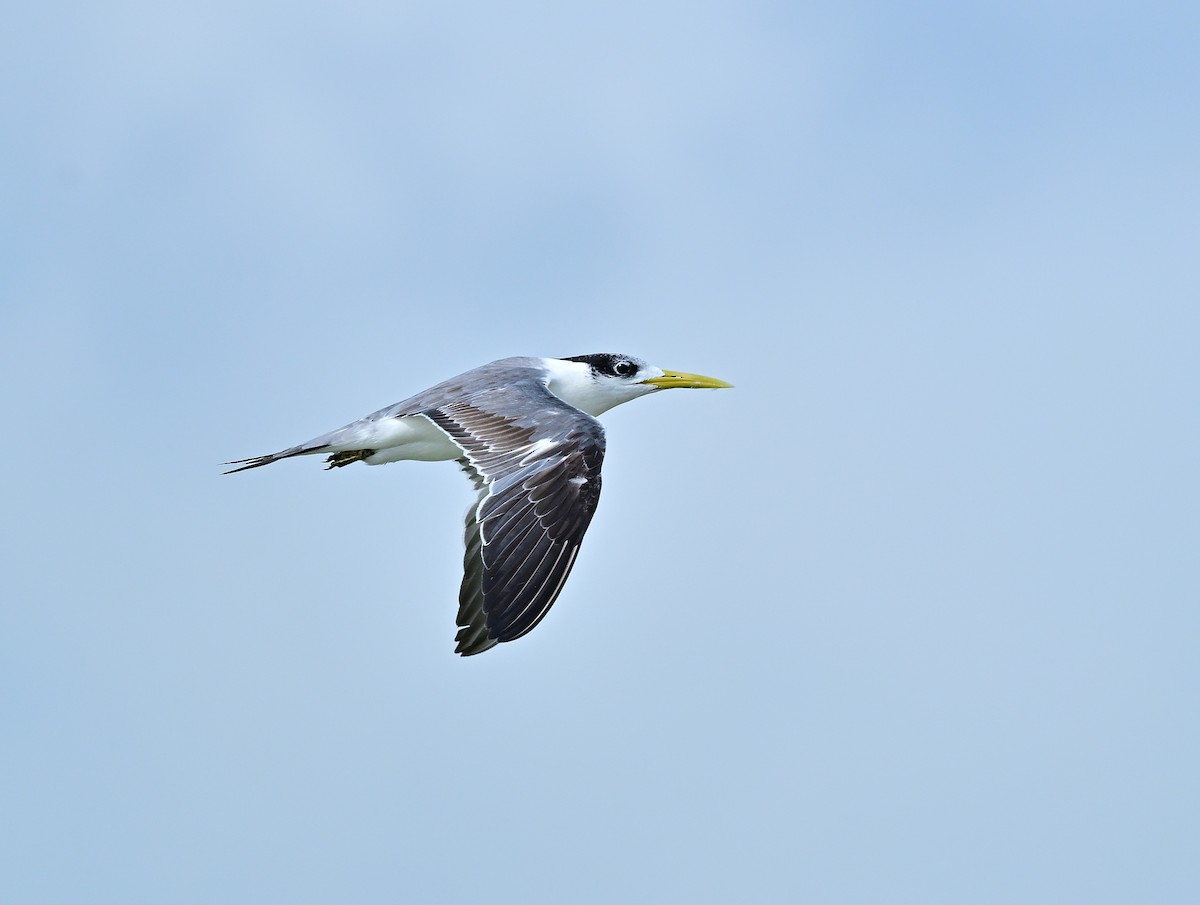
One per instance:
[(259, 461)]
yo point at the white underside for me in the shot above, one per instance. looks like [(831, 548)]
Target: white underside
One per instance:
[(412, 437)]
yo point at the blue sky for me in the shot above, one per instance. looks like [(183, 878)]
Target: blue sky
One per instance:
[(910, 615)]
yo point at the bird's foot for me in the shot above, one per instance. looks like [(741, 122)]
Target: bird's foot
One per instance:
[(337, 460)]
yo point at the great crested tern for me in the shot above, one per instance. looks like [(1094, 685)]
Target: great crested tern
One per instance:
[(525, 431)]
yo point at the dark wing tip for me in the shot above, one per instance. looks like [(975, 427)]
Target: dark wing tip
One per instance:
[(473, 640)]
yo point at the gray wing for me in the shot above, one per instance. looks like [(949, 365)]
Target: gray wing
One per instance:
[(536, 463)]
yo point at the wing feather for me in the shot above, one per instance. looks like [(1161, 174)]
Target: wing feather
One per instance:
[(536, 463), (548, 582)]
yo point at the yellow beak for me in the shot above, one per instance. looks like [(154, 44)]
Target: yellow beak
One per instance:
[(671, 379)]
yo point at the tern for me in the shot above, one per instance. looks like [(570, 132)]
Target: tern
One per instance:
[(525, 432)]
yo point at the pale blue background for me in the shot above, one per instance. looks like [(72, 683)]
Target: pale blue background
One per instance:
[(909, 616)]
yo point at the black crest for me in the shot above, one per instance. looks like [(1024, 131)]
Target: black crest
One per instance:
[(610, 364)]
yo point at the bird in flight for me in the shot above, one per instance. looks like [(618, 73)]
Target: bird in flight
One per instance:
[(525, 431)]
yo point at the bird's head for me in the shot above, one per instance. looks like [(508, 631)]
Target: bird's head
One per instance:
[(596, 383)]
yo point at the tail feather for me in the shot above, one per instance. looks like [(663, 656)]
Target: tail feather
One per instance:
[(260, 461)]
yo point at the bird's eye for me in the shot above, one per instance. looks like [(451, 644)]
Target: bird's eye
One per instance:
[(625, 369)]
